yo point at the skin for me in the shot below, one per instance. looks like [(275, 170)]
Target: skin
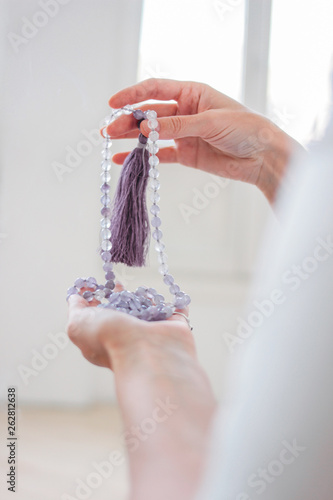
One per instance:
[(155, 361)]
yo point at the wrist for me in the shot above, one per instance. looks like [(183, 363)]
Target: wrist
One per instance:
[(279, 148)]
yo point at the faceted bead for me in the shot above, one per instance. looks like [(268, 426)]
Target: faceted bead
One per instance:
[(159, 246), (106, 165), (155, 184), (106, 176), (105, 199), (106, 211), (114, 298), (174, 288), (162, 258), (105, 188), (158, 298), (153, 161), (152, 123), (110, 284), (105, 223), (109, 275), (128, 109), (106, 234), (107, 292), (106, 153), (106, 245), (155, 209), (138, 114), (108, 266), (163, 269), (72, 290), (153, 136), (107, 144), (155, 197), (106, 256), (168, 279), (167, 311), (156, 222), (187, 299), (153, 148), (99, 294), (151, 114), (153, 173), (180, 302), (80, 282), (157, 234), (87, 294), (91, 281)]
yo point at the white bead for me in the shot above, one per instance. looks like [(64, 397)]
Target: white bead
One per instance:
[(159, 246), (106, 234), (154, 173), (153, 148), (106, 165), (105, 223), (162, 258), (152, 124), (106, 245), (153, 136), (106, 176), (155, 197), (155, 184), (106, 153), (128, 109), (163, 269), (154, 161), (108, 120), (151, 114), (107, 144)]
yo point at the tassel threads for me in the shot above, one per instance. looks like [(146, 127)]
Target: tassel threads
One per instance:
[(129, 221)]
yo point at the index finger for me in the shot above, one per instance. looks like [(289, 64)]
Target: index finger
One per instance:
[(154, 88)]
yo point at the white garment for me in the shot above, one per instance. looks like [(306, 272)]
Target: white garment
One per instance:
[(276, 440)]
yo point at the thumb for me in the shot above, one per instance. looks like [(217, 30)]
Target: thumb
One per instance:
[(179, 126)]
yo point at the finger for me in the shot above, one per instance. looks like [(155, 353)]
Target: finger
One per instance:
[(118, 287), (76, 302), (165, 155), (154, 88), (127, 123), (180, 126)]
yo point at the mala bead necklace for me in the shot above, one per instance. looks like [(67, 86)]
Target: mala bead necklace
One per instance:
[(125, 229)]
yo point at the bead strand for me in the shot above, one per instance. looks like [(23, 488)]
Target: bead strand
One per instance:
[(181, 299)]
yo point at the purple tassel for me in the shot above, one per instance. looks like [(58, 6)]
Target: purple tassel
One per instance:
[(129, 220)]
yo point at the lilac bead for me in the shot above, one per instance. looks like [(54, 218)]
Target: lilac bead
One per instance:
[(168, 279), (92, 281), (108, 266), (109, 275), (106, 256), (174, 288), (187, 299), (158, 298), (180, 302), (110, 284), (106, 211), (105, 199), (80, 282), (114, 298), (87, 295), (141, 291), (156, 222), (107, 292), (105, 188), (138, 114), (155, 209), (157, 234), (72, 290)]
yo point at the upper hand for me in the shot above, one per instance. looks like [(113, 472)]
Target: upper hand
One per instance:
[(212, 132)]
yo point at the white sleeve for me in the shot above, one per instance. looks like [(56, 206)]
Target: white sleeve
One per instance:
[(276, 441)]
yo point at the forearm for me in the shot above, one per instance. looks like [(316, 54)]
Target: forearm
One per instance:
[(167, 407)]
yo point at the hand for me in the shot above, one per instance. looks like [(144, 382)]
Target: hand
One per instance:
[(212, 132), (101, 333)]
